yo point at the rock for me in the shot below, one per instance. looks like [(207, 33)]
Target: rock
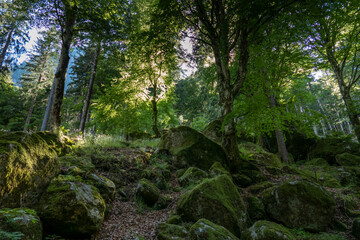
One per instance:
[(350, 205), (192, 176), (84, 164), (20, 222), (265, 230), (259, 187), (191, 148), (348, 159), (71, 208), (241, 180), (105, 186), (217, 169), (317, 162), (300, 204), (207, 230), (328, 148), (216, 199), (256, 209), (355, 230), (174, 219), (213, 131), (253, 152), (146, 192), (165, 231), (163, 202), (249, 169), (27, 164)]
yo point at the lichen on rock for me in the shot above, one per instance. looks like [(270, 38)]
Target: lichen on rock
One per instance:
[(265, 230), (207, 230)]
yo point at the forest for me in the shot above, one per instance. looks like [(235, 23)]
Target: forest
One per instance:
[(274, 84)]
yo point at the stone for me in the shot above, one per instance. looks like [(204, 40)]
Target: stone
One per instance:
[(204, 229), (166, 231), (355, 230), (28, 162), (253, 152), (191, 176), (217, 169), (105, 186), (256, 209), (71, 208), (300, 204), (259, 187), (146, 192), (328, 148), (265, 230), (22, 222), (216, 199), (213, 131), (191, 148), (317, 162), (348, 159)]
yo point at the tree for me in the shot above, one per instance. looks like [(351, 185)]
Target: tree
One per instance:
[(334, 36), (227, 27)]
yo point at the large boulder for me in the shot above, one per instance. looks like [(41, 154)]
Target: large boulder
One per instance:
[(328, 148), (300, 204), (213, 131), (105, 186), (71, 208), (348, 159), (27, 164), (20, 222), (216, 199), (191, 148), (206, 230), (192, 176), (146, 192), (265, 230), (253, 152)]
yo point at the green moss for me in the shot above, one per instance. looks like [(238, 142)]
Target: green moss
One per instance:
[(21, 221), (207, 230), (300, 204), (259, 187), (216, 199), (146, 192), (165, 231), (348, 159), (317, 162), (192, 176), (72, 208), (174, 219), (217, 169), (80, 162), (27, 164), (304, 235), (265, 230), (256, 208)]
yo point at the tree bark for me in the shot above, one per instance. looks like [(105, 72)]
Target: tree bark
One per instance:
[(4, 50), (48, 107), (55, 113), (89, 93), (352, 113), (28, 117)]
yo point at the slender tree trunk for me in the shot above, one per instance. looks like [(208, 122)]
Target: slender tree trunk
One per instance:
[(89, 93), (352, 113), (55, 114), (155, 110), (280, 136), (48, 107), (4, 50), (28, 117)]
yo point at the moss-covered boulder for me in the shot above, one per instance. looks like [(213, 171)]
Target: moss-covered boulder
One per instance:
[(348, 159), (84, 164), (191, 176), (216, 199), (300, 204), (71, 208), (105, 186), (191, 148), (166, 231), (145, 191), (256, 208), (207, 230), (317, 162), (21, 222), (27, 164), (254, 152), (355, 230), (217, 169), (265, 230), (250, 170), (259, 187), (213, 131), (328, 148)]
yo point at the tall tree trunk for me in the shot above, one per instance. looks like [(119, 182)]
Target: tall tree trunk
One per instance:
[(55, 113), (89, 93), (48, 107), (155, 110), (6, 46), (28, 117), (279, 136), (352, 113)]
